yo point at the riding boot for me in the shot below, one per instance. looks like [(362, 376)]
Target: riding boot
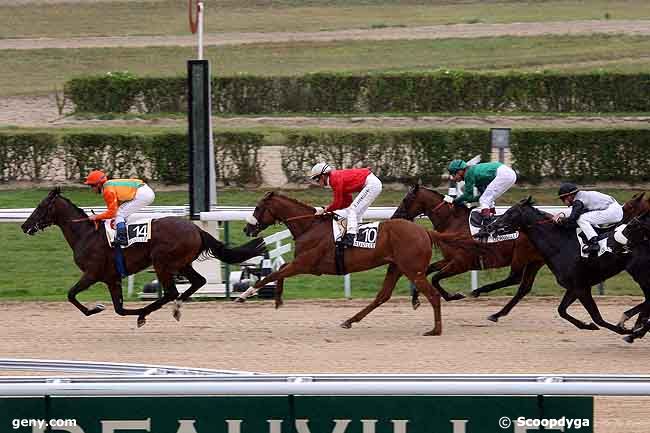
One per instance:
[(120, 236), (348, 240), (485, 216), (591, 247)]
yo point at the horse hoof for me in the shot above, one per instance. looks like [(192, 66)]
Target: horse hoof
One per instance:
[(628, 339), (100, 307), (456, 297), (433, 332), (475, 293), (493, 318), (278, 304), (176, 312), (591, 327), (240, 300), (141, 322), (346, 325), (415, 305)]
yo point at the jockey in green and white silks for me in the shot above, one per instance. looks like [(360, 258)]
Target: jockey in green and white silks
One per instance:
[(492, 179), (589, 208)]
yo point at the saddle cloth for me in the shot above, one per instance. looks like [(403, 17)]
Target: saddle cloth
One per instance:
[(366, 236), (137, 232), (475, 226), (608, 241)]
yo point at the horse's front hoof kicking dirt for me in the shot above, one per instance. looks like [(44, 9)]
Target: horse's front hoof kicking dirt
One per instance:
[(346, 325), (493, 318), (141, 322)]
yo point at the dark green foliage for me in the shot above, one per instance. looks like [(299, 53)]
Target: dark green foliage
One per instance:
[(582, 155), (25, 156), (394, 155), (438, 91)]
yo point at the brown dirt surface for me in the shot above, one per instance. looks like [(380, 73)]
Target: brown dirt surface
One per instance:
[(305, 337)]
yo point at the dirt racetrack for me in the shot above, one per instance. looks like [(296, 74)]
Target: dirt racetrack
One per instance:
[(304, 337)]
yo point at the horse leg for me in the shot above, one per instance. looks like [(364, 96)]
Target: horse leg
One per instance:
[(170, 293), (82, 285), (448, 271), (196, 282), (287, 270), (568, 299), (628, 314), (590, 305), (392, 275), (433, 267), (513, 278), (529, 274), (433, 296)]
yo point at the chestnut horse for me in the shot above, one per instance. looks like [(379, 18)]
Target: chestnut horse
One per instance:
[(175, 243), (405, 246), (519, 254)]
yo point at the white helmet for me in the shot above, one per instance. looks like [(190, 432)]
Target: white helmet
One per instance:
[(320, 169)]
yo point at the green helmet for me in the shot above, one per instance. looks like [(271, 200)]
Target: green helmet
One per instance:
[(455, 165)]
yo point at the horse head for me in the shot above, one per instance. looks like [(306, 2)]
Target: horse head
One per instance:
[(519, 215), (410, 207), (638, 229), (635, 207), (44, 215), (272, 208)]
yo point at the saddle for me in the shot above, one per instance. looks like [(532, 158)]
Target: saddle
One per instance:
[(610, 239), (476, 224), (137, 232)]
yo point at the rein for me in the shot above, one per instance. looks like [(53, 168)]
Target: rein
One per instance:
[(299, 217)]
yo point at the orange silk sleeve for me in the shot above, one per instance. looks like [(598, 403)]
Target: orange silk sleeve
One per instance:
[(110, 197)]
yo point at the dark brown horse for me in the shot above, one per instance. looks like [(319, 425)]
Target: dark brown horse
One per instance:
[(519, 254), (175, 243), (405, 246)]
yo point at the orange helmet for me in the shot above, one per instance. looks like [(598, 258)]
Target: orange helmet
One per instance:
[(96, 177)]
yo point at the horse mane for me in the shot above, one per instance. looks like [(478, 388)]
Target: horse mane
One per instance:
[(291, 199), (56, 192)]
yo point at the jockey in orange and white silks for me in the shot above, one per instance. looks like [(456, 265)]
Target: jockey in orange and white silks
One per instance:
[(123, 198), (343, 184)]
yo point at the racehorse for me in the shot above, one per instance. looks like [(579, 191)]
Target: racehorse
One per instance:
[(560, 248), (405, 246), (175, 243), (637, 234), (524, 260)]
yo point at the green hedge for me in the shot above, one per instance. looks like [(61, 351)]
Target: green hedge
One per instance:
[(582, 155), (162, 157), (396, 155), (439, 91)]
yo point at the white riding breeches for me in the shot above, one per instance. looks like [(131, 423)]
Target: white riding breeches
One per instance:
[(360, 204), (613, 214), (143, 197), (505, 178)]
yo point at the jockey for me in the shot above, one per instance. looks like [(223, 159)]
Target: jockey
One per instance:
[(344, 183), (492, 179), (123, 197), (589, 208)]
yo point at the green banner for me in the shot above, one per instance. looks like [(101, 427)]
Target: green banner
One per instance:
[(297, 414)]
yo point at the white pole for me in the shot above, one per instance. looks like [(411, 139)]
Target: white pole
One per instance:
[(347, 290), (474, 280), (200, 29), (129, 292)]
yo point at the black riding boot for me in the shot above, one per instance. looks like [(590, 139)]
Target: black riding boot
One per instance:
[(348, 240), (591, 247), (121, 238)]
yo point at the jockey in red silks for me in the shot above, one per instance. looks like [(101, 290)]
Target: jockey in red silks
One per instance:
[(343, 184), (123, 197)]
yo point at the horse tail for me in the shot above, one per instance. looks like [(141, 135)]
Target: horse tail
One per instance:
[(454, 241), (210, 247)]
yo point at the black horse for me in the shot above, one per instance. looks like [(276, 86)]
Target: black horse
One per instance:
[(175, 243), (637, 234), (560, 248)]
